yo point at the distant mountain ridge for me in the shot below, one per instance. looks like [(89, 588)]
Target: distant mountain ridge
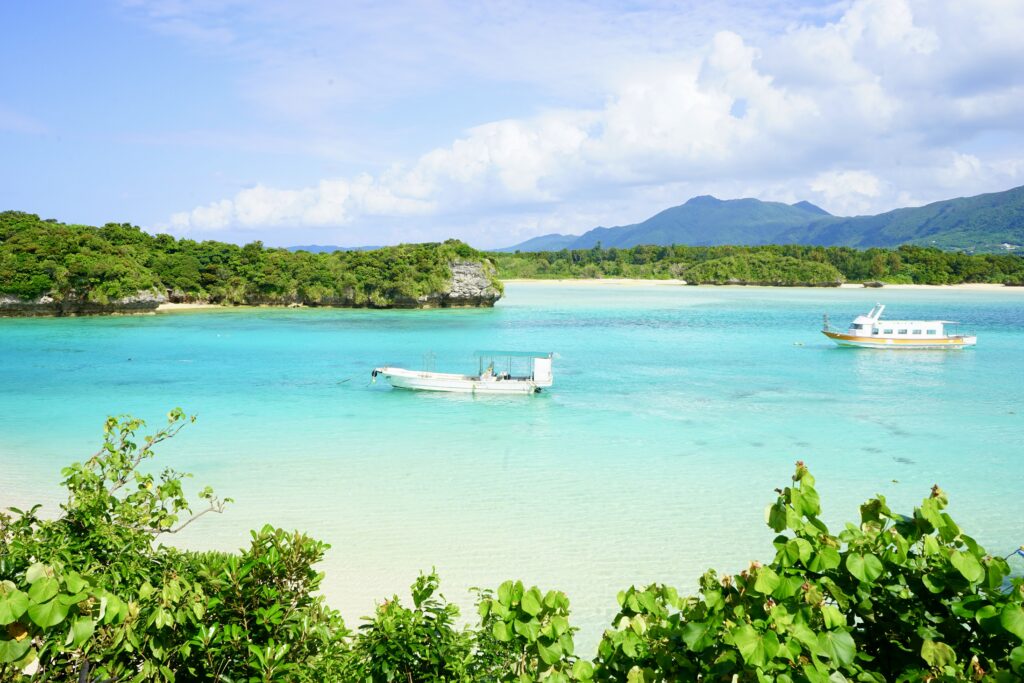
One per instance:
[(980, 223)]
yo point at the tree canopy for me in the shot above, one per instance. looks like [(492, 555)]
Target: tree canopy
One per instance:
[(789, 264), (41, 257)]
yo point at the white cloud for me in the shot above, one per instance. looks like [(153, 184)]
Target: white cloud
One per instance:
[(850, 192), (330, 203), (881, 105)]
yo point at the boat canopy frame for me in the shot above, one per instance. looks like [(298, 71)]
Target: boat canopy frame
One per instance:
[(494, 355), (514, 354)]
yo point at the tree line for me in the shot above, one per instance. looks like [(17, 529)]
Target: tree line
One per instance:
[(772, 264), (44, 257), (94, 594)]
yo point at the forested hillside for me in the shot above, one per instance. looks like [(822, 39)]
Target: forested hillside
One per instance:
[(61, 261)]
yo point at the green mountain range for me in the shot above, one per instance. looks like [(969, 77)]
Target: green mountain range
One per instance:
[(984, 223)]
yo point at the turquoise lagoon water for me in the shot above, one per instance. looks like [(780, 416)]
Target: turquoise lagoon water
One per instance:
[(676, 412)]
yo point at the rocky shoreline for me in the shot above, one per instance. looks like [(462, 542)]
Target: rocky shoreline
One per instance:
[(49, 306), (471, 286)]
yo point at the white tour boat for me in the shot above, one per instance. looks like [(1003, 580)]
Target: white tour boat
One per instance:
[(508, 377), (870, 331)]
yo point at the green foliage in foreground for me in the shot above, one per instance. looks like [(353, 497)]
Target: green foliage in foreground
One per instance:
[(775, 264), (93, 594), (40, 257)]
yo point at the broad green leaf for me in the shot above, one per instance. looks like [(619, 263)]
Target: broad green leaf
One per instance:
[(12, 650), (48, 614), (864, 567), (1017, 659), (582, 670), (37, 571), (75, 583), (12, 604), (81, 630), (550, 654), (695, 635), (838, 646), (527, 629), (531, 602), (565, 642), (775, 515), (934, 582), (824, 560), (833, 617), (43, 589), (987, 613), (505, 593), (804, 549), (810, 503), (805, 635), (767, 581), (937, 654), (968, 566), (756, 648), (1012, 619), (501, 631)]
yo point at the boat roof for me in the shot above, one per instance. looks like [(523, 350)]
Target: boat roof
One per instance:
[(919, 322), (515, 354)]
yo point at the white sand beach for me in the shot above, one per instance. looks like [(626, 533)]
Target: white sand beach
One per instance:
[(168, 307)]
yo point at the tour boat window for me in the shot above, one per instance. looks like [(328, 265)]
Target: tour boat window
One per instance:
[(888, 332), (917, 331), (931, 331), (903, 331), (857, 326)]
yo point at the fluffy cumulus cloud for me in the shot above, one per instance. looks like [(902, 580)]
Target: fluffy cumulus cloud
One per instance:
[(330, 202), (889, 102)]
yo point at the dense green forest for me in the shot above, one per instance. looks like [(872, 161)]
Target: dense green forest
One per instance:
[(773, 264), (91, 592), (42, 257)]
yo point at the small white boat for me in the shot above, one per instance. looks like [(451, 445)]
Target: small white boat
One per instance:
[(871, 332), (491, 379)]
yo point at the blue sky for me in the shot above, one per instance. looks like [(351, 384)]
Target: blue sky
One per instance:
[(369, 123)]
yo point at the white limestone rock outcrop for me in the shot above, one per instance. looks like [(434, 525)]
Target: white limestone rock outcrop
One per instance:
[(473, 283)]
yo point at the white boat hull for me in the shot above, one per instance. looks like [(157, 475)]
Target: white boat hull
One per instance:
[(400, 378), (885, 343)]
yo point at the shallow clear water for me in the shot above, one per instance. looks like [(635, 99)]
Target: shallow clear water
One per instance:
[(675, 413)]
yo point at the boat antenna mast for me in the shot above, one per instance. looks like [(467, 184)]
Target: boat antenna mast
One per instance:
[(825, 323)]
